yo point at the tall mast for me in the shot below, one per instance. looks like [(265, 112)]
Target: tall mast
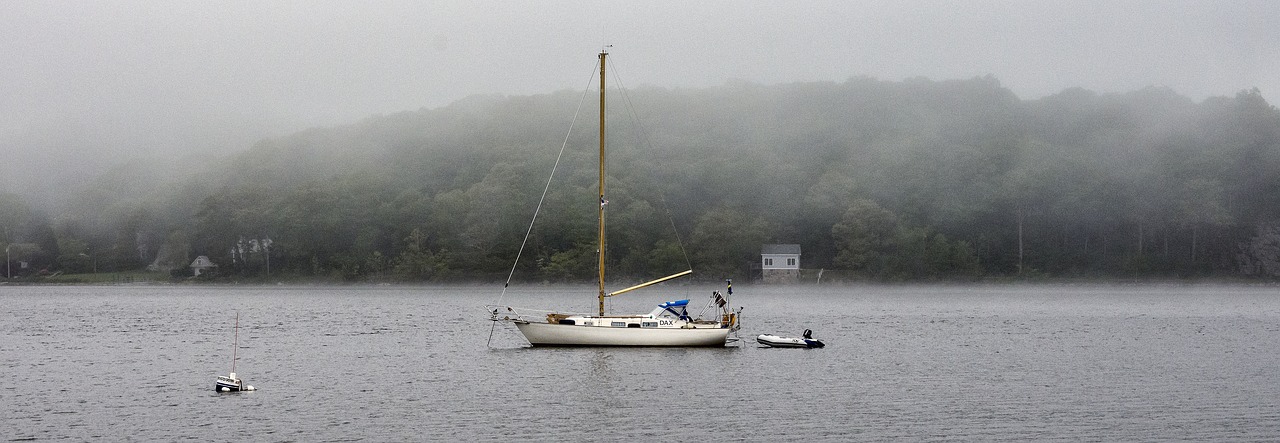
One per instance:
[(601, 239), (235, 345)]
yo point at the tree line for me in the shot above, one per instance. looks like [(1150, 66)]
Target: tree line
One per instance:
[(887, 181)]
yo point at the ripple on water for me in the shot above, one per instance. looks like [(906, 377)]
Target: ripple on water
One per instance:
[(1130, 363)]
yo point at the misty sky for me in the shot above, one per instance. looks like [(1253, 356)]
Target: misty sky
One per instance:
[(87, 84)]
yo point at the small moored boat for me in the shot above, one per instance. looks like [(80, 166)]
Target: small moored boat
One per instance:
[(776, 341), (231, 383)]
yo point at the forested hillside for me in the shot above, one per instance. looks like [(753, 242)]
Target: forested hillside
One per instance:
[(897, 181)]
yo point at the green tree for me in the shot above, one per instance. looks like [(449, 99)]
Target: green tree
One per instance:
[(865, 233), (726, 242), (416, 263), (920, 254), (872, 241), (1201, 208)]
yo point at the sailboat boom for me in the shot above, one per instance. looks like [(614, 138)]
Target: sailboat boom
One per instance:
[(651, 283)]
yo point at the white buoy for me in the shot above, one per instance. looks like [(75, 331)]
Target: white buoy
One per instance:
[(250, 388)]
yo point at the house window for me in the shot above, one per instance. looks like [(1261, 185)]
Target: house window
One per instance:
[(791, 262), (768, 262)]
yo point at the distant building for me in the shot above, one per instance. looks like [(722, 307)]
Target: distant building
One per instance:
[(780, 263), (201, 264)]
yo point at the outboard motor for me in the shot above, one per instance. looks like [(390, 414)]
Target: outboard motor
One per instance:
[(808, 340)]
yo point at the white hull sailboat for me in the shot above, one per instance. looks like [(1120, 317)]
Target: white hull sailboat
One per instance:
[(548, 334), (667, 325)]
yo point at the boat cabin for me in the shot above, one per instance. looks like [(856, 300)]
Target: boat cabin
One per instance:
[(672, 314)]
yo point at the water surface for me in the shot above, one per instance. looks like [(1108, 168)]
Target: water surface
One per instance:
[(1069, 363)]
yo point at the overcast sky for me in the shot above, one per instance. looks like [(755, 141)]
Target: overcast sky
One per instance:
[(86, 83)]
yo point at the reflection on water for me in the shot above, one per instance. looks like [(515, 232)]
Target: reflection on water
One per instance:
[(1132, 363)]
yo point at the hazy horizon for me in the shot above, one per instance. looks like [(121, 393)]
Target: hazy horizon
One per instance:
[(89, 85)]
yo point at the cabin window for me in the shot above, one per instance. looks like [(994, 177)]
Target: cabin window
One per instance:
[(768, 262), (589, 323), (618, 324), (791, 262), (649, 324), (633, 325)]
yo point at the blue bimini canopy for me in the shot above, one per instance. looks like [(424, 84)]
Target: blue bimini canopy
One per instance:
[(672, 304), (676, 308)]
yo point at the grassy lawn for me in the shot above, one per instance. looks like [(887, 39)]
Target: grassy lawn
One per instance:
[(101, 278)]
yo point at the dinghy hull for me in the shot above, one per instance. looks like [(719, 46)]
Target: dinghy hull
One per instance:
[(775, 341)]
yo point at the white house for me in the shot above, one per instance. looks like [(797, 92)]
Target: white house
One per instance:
[(780, 263), (201, 264)]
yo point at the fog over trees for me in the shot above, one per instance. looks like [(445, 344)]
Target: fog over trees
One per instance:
[(880, 180)]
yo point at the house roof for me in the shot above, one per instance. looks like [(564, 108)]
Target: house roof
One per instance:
[(780, 249), (203, 262)]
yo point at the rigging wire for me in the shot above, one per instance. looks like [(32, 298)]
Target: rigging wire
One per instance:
[(547, 188), (644, 136)]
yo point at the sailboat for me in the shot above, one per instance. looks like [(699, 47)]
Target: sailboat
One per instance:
[(231, 383), (668, 324)]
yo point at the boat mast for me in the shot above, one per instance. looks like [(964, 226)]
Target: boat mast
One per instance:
[(235, 345), (602, 202)]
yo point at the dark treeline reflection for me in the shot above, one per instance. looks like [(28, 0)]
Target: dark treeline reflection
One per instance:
[(912, 180)]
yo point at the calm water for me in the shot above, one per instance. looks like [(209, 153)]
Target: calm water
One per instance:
[(1070, 363)]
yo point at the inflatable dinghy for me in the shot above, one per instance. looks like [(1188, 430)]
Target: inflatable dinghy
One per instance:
[(777, 341)]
